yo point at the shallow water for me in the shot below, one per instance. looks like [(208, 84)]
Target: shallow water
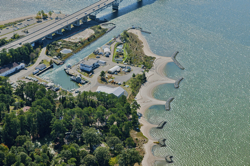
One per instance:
[(208, 123)]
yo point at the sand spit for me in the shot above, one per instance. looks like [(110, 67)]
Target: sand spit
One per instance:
[(155, 77)]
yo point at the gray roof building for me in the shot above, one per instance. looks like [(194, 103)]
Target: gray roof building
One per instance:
[(41, 67)]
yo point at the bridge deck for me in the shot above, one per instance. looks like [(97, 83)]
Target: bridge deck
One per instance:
[(55, 26)]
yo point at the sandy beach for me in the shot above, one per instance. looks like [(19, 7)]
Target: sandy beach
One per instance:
[(155, 77)]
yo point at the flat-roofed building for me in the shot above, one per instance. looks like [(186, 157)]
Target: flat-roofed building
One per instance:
[(89, 65), (40, 67), (118, 91), (114, 69), (11, 68)]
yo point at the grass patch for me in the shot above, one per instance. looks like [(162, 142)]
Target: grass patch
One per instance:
[(135, 53), (91, 56), (44, 61)]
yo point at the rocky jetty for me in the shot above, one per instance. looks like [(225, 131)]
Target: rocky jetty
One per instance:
[(176, 62), (177, 82), (167, 105)]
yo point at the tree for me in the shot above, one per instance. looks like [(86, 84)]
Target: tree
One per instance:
[(102, 155), (133, 75), (102, 74), (130, 142), (91, 137), (50, 62), (38, 13), (38, 18), (129, 157), (115, 144), (58, 131), (10, 129), (42, 12), (10, 159), (50, 13), (115, 130), (90, 160)]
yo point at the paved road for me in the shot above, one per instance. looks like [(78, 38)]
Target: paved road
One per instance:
[(22, 73), (33, 26), (53, 27)]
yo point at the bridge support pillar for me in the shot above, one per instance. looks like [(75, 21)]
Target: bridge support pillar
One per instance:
[(115, 6), (77, 23), (92, 17), (59, 32), (68, 27), (49, 36), (84, 19)]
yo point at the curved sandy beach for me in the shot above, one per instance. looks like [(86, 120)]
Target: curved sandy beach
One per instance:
[(155, 77)]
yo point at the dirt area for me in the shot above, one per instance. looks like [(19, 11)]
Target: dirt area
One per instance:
[(80, 36), (140, 140)]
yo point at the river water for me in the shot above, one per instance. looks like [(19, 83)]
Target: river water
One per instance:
[(208, 123)]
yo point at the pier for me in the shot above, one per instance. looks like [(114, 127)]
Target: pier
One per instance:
[(177, 82), (167, 105), (175, 61)]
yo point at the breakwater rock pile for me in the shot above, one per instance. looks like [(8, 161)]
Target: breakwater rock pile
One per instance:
[(168, 159), (177, 82), (162, 142), (167, 105), (161, 125), (176, 62)]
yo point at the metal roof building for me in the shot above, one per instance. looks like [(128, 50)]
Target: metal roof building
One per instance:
[(118, 91), (41, 67), (114, 69)]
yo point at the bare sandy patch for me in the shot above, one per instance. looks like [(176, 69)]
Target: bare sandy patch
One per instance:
[(80, 36)]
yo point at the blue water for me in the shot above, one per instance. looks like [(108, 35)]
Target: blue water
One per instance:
[(209, 120)]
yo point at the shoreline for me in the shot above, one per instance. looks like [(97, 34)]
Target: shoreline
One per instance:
[(155, 77), (54, 15)]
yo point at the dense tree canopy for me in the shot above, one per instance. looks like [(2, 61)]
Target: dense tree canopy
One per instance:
[(83, 130)]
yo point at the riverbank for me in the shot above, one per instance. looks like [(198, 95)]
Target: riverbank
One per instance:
[(54, 15), (155, 77)]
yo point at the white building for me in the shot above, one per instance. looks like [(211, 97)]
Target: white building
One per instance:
[(89, 65), (114, 69), (11, 68), (107, 51), (118, 91)]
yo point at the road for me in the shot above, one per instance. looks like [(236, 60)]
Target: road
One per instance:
[(33, 26), (22, 73), (46, 30)]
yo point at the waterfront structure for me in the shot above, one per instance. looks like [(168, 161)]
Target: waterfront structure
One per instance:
[(89, 65), (36, 71), (118, 91), (81, 16), (114, 69), (107, 51), (11, 68), (40, 67)]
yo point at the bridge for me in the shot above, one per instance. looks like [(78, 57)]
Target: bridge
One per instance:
[(65, 23)]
